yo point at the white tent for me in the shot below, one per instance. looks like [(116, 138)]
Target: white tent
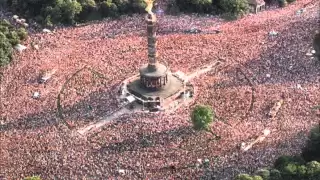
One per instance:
[(130, 99)]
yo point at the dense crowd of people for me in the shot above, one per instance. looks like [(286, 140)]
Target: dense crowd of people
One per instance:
[(161, 146)]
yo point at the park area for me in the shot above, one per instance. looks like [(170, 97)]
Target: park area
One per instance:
[(264, 59)]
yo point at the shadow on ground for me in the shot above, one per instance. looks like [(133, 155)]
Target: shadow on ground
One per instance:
[(94, 101), (143, 141), (258, 155), (284, 58), (227, 164)]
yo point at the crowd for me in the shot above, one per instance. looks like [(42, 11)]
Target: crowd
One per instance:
[(147, 146)]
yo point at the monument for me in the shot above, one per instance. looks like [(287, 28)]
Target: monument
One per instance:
[(155, 86)]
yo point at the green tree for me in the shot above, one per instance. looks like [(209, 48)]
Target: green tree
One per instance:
[(283, 161), (108, 8), (50, 12), (264, 173), (123, 6), (244, 177), (5, 50), (64, 11), (282, 3), (301, 171), (87, 3), (290, 170), (291, 1), (9, 36), (22, 33), (257, 178), (235, 7), (199, 6), (13, 37), (138, 6), (311, 151), (202, 117), (275, 174), (89, 10), (313, 169)]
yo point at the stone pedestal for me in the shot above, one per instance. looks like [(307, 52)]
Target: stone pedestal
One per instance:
[(155, 83)]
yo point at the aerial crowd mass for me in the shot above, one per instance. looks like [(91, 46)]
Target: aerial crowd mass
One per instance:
[(258, 69)]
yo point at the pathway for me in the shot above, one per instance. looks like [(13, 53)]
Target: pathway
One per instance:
[(203, 70), (97, 125), (94, 127)]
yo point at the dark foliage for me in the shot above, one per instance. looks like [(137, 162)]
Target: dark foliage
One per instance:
[(291, 1), (282, 3), (232, 7), (9, 37), (316, 45), (312, 150), (202, 6), (294, 167), (49, 12), (202, 117)]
